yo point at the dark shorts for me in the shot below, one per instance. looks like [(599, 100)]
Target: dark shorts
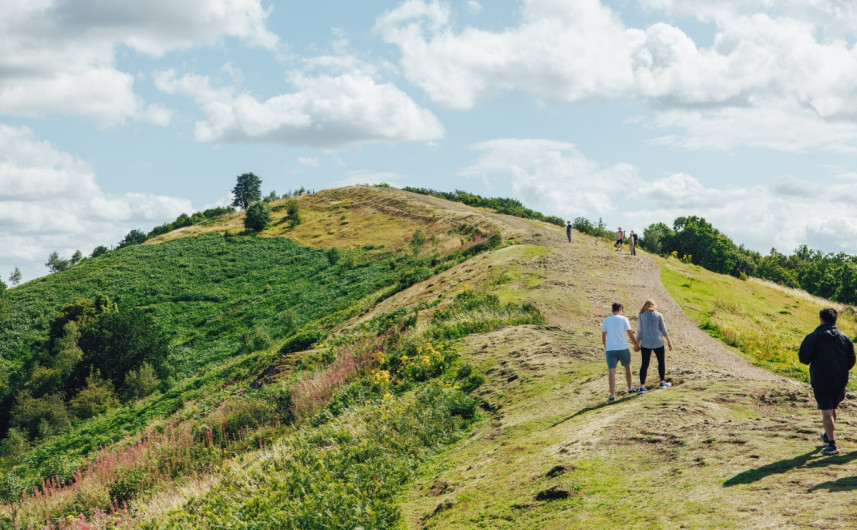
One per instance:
[(614, 357), (827, 399)]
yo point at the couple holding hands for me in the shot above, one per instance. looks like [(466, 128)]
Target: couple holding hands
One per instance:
[(651, 332)]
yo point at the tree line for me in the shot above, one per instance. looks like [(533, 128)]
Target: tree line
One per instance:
[(829, 275)]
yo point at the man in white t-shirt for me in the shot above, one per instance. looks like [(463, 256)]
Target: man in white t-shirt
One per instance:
[(613, 332)]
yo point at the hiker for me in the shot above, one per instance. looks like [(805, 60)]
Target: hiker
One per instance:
[(830, 355), (568, 231), (613, 331), (620, 238), (651, 332), (632, 243)]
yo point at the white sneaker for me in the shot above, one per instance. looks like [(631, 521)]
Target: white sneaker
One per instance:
[(666, 384), (643, 389)]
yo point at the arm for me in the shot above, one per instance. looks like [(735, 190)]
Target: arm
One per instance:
[(604, 338), (806, 353), (633, 339), (851, 357), (665, 333)]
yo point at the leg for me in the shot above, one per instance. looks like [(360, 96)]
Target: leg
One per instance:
[(644, 367), (828, 416), (612, 378), (662, 362), (628, 378)]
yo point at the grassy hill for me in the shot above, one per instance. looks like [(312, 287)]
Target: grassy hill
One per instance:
[(456, 386)]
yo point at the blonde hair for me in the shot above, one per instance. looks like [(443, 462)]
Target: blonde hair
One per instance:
[(648, 305)]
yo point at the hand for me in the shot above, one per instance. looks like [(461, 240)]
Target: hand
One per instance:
[(670, 344), (637, 348)]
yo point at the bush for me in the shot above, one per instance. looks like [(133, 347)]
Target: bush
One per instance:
[(140, 383), (39, 416), (258, 216), (117, 343), (294, 212), (97, 397), (127, 484)]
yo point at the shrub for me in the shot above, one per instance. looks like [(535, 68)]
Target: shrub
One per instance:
[(127, 484), (258, 216), (294, 212), (117, 343), (140, 383), (48, 412), (418, 240), (97, 397)]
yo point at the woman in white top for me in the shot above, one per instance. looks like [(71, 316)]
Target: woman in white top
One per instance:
[(651, 332)]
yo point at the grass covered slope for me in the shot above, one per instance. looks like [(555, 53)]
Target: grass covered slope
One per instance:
[(728, 446), (459, 392), (762, 320)]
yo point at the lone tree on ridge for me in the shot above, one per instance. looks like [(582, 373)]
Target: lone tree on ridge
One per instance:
[(247, 190)]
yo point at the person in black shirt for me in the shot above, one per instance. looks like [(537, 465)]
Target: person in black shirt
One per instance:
[(830, 355)]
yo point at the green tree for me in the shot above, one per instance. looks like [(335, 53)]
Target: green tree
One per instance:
[(117, 343), (258, 216), (247, 190), (293, 210), (134, 237), (140, 383), (654, 236), (15, 277), (418, 240), (100, 250), (37, 416), (97, 397), (56, 264)]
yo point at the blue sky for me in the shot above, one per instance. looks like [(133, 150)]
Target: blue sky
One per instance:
[(116, 116)]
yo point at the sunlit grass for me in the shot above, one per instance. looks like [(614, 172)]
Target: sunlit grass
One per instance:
[(764, 321)]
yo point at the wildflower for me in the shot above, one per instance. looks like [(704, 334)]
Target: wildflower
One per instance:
[(405, 358), (388, 396)]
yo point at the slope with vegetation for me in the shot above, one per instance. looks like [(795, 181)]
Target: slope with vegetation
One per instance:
[(399, 360)]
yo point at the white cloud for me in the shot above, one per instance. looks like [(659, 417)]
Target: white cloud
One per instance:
[(557, 179), (474, 6), (327, 110), (50, 200), (58, 57), (785, 61), (562, 51), (308, 161)]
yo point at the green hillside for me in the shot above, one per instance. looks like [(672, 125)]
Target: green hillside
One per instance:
[(453, 382)]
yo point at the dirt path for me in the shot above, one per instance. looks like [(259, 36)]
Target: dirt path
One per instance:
[(633, 280)]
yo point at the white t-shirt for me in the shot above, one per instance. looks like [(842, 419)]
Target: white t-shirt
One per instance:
[(617, 328)]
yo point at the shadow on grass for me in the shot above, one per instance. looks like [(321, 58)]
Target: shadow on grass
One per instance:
[(842, 484), (813, 459), (590, 409)]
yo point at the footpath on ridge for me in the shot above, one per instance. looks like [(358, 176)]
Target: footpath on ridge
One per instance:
[(730, 445)]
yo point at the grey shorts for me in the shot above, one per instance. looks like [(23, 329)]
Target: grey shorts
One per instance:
[(614, 357)]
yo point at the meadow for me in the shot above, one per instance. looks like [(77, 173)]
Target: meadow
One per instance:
[(763, 321)]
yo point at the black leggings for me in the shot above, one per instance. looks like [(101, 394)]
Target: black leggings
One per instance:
[(647, 356)]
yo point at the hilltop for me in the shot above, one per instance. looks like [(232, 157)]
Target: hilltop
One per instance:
[(476, 395)]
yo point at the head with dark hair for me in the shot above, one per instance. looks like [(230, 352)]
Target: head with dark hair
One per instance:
[(617, 307), (828, 315)]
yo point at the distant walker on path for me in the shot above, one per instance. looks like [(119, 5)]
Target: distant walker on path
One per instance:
[(620, 239), (830, 355), (651, 332), (632, 243), (568, 231), (613, 331)]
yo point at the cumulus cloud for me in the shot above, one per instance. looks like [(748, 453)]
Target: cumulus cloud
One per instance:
[(767, 59), (330, 109), (50, 200), (58, 56), (556, 178)]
